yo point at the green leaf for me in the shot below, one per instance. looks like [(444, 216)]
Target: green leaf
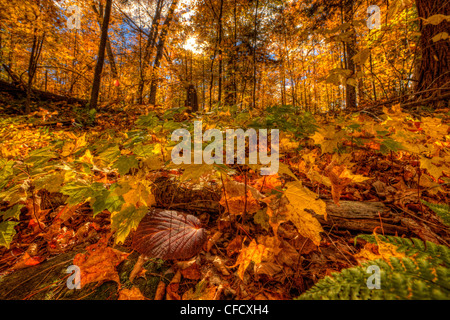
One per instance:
[(6, 171), (51, 182), (106, 201), (126, 220), (125, 163), (143, 150), (7, 232), (79, 191), (110, 155), (13, 212), (40, 157), (389, 144)]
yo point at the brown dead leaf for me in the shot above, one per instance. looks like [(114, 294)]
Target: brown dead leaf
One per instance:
[(98, 264), (172, 288), (220, 266), (269, 269), (160, 290), (338, 184), (288, 255), (131, 294), (212, 240), (192, 272), (234, 246), (236, 204)]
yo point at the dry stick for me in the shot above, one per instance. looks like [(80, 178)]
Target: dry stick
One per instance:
[(245, 192), (381, 222), (226, 198), (264, 181)]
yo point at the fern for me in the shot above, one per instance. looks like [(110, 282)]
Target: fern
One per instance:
[(442, 210), (423, 274)]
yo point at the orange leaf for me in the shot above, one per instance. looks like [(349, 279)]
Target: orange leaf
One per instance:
[(99, 265), (131, 294), (27, 261)]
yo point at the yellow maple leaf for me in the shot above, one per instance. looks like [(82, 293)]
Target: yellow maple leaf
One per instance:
[(87, 157), (300, 199), (254, 252), (139, 194)]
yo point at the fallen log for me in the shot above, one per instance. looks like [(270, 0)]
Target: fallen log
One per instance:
[(350, 215), (18, 92), (362, 217)]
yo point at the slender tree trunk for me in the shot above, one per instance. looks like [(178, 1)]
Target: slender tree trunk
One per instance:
[(350, 90), (254, 55), (100, 57), (159, 51), (36, 49), (151, 42), (219, 95)]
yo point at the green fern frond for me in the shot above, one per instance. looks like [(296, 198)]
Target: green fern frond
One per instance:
[(437, 254), (423, 274), (442, 210), (400, 279)]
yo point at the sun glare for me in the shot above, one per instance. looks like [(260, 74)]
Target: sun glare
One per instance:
[(191, 45)]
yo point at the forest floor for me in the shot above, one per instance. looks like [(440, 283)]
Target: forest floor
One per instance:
[(366, 181)]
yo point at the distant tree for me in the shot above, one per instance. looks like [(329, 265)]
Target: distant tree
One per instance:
[(100, 56)]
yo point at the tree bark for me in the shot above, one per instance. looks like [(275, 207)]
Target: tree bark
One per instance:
[(434, 66), (100, 57), (151, 42), (36, 49), (159, 51), (350, 91)]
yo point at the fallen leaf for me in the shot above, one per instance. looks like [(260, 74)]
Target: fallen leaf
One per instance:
[(253, 253), (98, 264), (300, 199), (169, 235), (131, 294), (160, 290), (381, 250)]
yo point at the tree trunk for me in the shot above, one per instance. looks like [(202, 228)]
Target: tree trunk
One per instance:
[(254, 56), (159, 51), (433, 72), (350, 90), (151, 42), (109, 51), (36, 49), (100, 57), (219, 96)]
